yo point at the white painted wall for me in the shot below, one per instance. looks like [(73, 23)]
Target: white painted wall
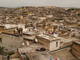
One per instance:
[(53, 45)]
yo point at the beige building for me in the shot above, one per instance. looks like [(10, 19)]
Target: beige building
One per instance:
[(10, 41), (49, 42), (75, 49), (0, 57)]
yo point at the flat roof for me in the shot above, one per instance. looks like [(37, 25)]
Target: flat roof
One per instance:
[(50, 38), (11, 34), (77, 42)]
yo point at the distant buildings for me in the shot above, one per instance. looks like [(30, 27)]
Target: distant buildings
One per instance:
[(30, 28)]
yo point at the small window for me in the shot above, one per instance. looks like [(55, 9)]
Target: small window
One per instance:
[(56, 44), (0, 40)]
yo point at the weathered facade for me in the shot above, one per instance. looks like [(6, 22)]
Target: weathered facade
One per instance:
[(76, 49), (0, 57), (50, 43), (10, 41)]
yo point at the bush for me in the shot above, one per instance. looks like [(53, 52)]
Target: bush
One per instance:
[(1, 50)]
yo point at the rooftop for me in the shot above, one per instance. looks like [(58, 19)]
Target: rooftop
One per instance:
[(48, 37)]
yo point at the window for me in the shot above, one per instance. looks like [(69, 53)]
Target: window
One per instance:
[(0, 40), (56, 44)]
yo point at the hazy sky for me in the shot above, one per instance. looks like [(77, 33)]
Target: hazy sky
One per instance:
[(61, 3)]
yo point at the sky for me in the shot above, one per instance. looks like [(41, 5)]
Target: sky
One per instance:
[(58, 3)]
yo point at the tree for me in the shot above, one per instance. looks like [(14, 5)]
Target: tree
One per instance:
[(9, 54), (1, 50), (6, 53)]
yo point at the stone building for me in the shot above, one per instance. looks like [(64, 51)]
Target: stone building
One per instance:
[(50, 43), (75, 49), (10, 41)]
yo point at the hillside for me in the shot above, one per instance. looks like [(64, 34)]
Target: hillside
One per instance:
[(67, 19), (25, 14)]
